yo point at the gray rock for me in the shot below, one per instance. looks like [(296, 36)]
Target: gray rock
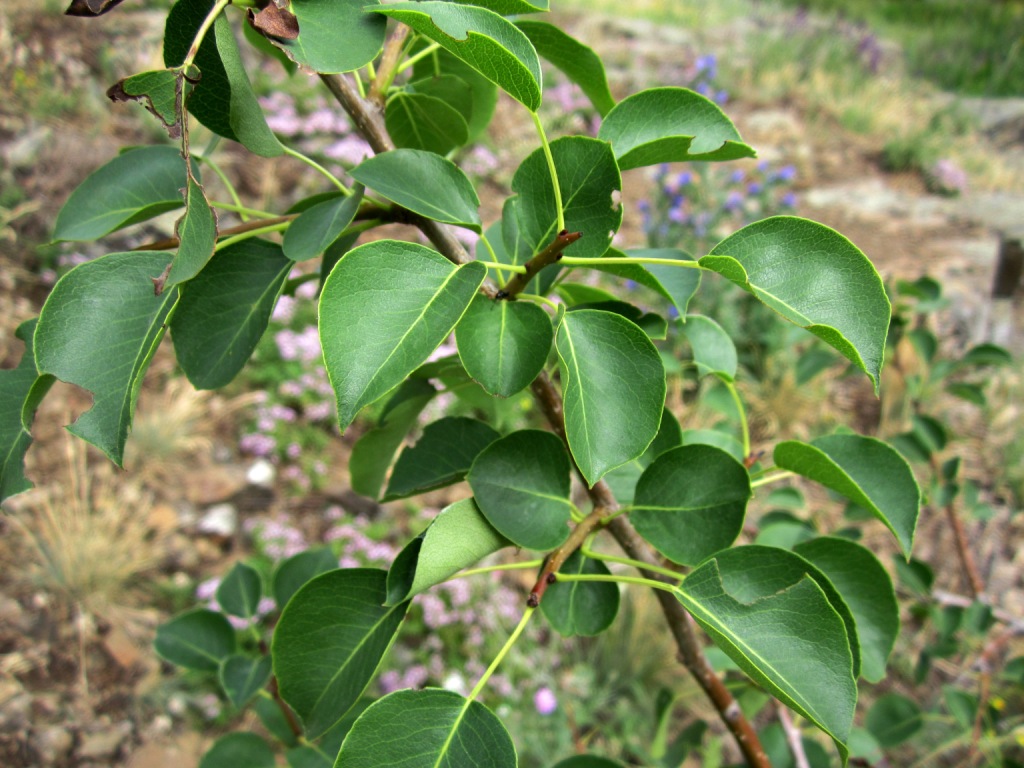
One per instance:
[(993, 114), (24, 151), (874, 199), (13, 615), (261, 473), (1003, 211), (104, 744), (219, 520), (52, 744)]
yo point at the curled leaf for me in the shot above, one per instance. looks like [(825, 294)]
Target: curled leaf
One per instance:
[(90, 8)]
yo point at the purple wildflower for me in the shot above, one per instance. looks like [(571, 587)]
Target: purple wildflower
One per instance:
[(544, 701)]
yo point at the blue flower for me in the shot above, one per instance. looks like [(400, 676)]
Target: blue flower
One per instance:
[(708, 65), (753, 188), (684, 179), (737, 177), (785, 173), (788, 200), (721, 97), (733, 201), (703, 88)]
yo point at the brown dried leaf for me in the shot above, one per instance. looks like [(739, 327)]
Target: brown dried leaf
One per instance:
[(275, 23), (90, 8)]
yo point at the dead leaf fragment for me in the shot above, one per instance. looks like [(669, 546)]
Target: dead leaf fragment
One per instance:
[(90, 8), (275, 22)]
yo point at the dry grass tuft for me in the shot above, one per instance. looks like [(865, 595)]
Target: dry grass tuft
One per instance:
[(88, 541)]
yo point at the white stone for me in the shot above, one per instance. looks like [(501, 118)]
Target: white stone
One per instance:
[(261, 473), (219, 520)]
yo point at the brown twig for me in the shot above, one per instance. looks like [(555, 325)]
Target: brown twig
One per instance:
[(971, 574), (794, 739), (969, 567), (370, 123), (174, 242), (289, 716), (549, 255), (680, 624), (388, 65), (554, 561)]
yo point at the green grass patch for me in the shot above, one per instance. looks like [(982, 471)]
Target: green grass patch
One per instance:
[(972, 48)]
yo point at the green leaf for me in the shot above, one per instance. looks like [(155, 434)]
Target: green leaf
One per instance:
[(504, 344), (375, 451), (197, 235), (199, 639), (613, 384), (451, 89), (488, 43), (623, 479), (578, 62), (587, 178), (225, 309), (670, 125), (329, 642), (399, 320), (158, 91), (419, 121), (893, 719), (483, 93), (318, 227), (814, 277), (135, 186), (864, 470), (867, 589), (431, 727), (106, 304), (508, 7), (587, 761), (239, 749), (459, 537), (442, 456), (787, 636), (308, 757), (267, 48), (579, 607), (334, 35), (294, 572), (240, 591), (713, 349), (242, 677), (223, 100), (678, 285), (690, 503), (425, 183), (987, 354), (521, 485), (16, 387), (714, 437), (274, 720), (971, 393)]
